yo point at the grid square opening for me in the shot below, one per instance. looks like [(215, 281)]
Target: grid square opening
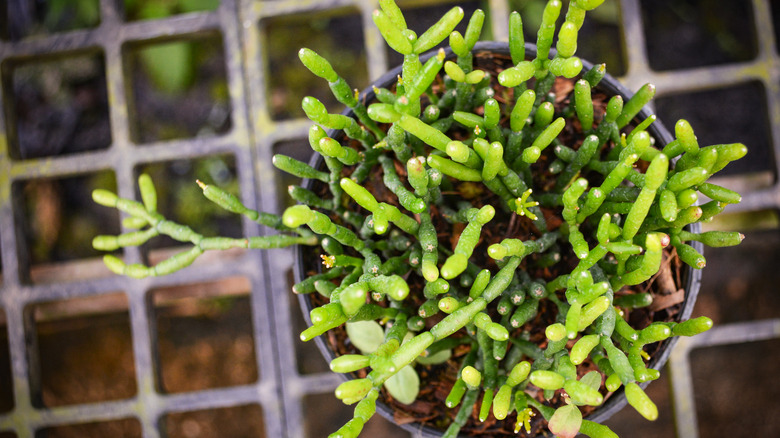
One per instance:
[(741, 281), (124, 428), (735, 114), (238, 421), (135, 10), (774, 5), (7, 401), (181, 200), (36, 18), (335, 34), (177, 88), (204, 335), (746, 221), (56, 105), (4, 24), (736, 389), (692, 33), (332, 414), (56, 221), (81, 350)]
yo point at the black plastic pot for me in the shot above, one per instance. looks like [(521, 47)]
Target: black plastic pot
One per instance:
[(611, 86)]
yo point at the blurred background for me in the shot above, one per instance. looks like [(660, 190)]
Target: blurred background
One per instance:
[(96, 92)]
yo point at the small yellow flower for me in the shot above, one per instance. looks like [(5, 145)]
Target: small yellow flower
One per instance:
[(522, 205), (328, 261), (524, 420)]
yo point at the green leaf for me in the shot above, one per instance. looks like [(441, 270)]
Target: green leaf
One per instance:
[(404, 385), (151, 11), (566, 421), (198, 5), (88, 12), (67, 14), (367, 336), (435, 359), (592, 379), (170, 65)]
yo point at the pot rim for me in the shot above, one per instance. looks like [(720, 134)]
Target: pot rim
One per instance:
[(611, 86)]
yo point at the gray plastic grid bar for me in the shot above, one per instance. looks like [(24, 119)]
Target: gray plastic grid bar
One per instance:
[(251, 141)]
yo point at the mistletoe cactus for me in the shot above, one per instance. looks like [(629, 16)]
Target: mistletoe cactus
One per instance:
[(497, 219)]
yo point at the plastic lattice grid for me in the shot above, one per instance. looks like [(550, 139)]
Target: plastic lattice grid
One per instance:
[(246, 124)]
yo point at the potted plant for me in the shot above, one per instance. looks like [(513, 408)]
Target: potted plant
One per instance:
[(502, 222)]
